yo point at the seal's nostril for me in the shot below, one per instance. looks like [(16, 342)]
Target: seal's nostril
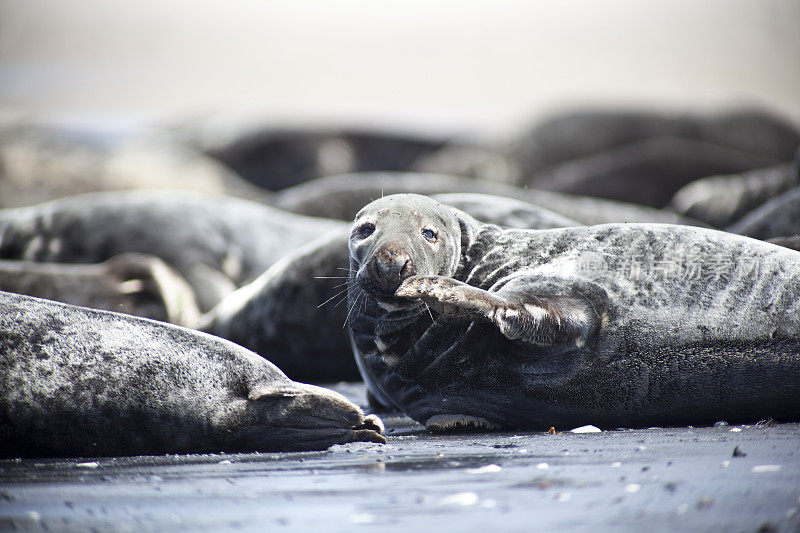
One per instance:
[(389, 269), (407, 269)]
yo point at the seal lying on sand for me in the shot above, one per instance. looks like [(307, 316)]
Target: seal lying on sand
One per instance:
[(295, 315), (77, 381), (459, 323), (134, 284), (216, 243)]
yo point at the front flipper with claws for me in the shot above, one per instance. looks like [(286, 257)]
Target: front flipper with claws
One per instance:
[(534, 309)]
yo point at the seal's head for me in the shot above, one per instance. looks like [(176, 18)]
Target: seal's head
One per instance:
[(404, 235)]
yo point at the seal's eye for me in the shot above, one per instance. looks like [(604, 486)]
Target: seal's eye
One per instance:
[(429, 234), (365, 230)]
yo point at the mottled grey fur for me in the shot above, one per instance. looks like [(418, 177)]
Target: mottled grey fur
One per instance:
[(77, 381), (295, 312), (488, 327), (134, 284), (217, 243)]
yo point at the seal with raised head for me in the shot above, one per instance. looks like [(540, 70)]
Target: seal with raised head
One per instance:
[(462, 324), (77, 381), (294, 313)]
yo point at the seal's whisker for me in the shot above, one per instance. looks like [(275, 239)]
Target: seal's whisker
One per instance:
[(360, 294), (331, 277), (343, 298), (429, 311), (339, 293)]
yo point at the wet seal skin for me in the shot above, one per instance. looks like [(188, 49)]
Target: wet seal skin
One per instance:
[(467, 325), (77, 382)]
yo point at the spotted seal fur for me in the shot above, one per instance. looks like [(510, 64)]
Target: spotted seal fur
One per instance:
[(460, 324), (77, 381)]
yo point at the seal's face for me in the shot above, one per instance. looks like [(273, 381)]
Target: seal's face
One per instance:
[(400, 236)]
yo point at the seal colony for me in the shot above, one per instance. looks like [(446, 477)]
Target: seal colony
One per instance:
[(77, 381), (467, 325)]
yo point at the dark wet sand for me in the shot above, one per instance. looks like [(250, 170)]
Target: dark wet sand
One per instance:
[(670, 479)]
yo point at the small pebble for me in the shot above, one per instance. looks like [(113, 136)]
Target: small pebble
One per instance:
[(735, 430), (361, 518), (92, 464), (586, 429), (461, 499), (704, 503), (720, 424), (224, 462), (486, 469), (760, 469)]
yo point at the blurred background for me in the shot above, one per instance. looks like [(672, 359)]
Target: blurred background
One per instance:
[(466, 66)]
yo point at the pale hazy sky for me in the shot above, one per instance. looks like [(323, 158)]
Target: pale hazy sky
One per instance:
[(442, 64)]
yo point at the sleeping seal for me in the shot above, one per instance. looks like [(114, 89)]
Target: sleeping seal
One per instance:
[(134, 284), (77, 381), (217, 243), (459, 323)]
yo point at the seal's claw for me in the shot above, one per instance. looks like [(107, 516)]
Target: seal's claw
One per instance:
[(451, 297), (374, 423), (367, 435)]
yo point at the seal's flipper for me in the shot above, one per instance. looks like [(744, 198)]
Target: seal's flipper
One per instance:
[(527, 308), (297, 416)]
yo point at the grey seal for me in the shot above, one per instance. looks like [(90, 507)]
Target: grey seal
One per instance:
[(275, 157), (134, 284), (462, 324), (779, 217), (217, 243), (77, 381), (620, 152), (722, 200), (295, 313), (647, 172), (577, 133), (38, 164), (342, 196)]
